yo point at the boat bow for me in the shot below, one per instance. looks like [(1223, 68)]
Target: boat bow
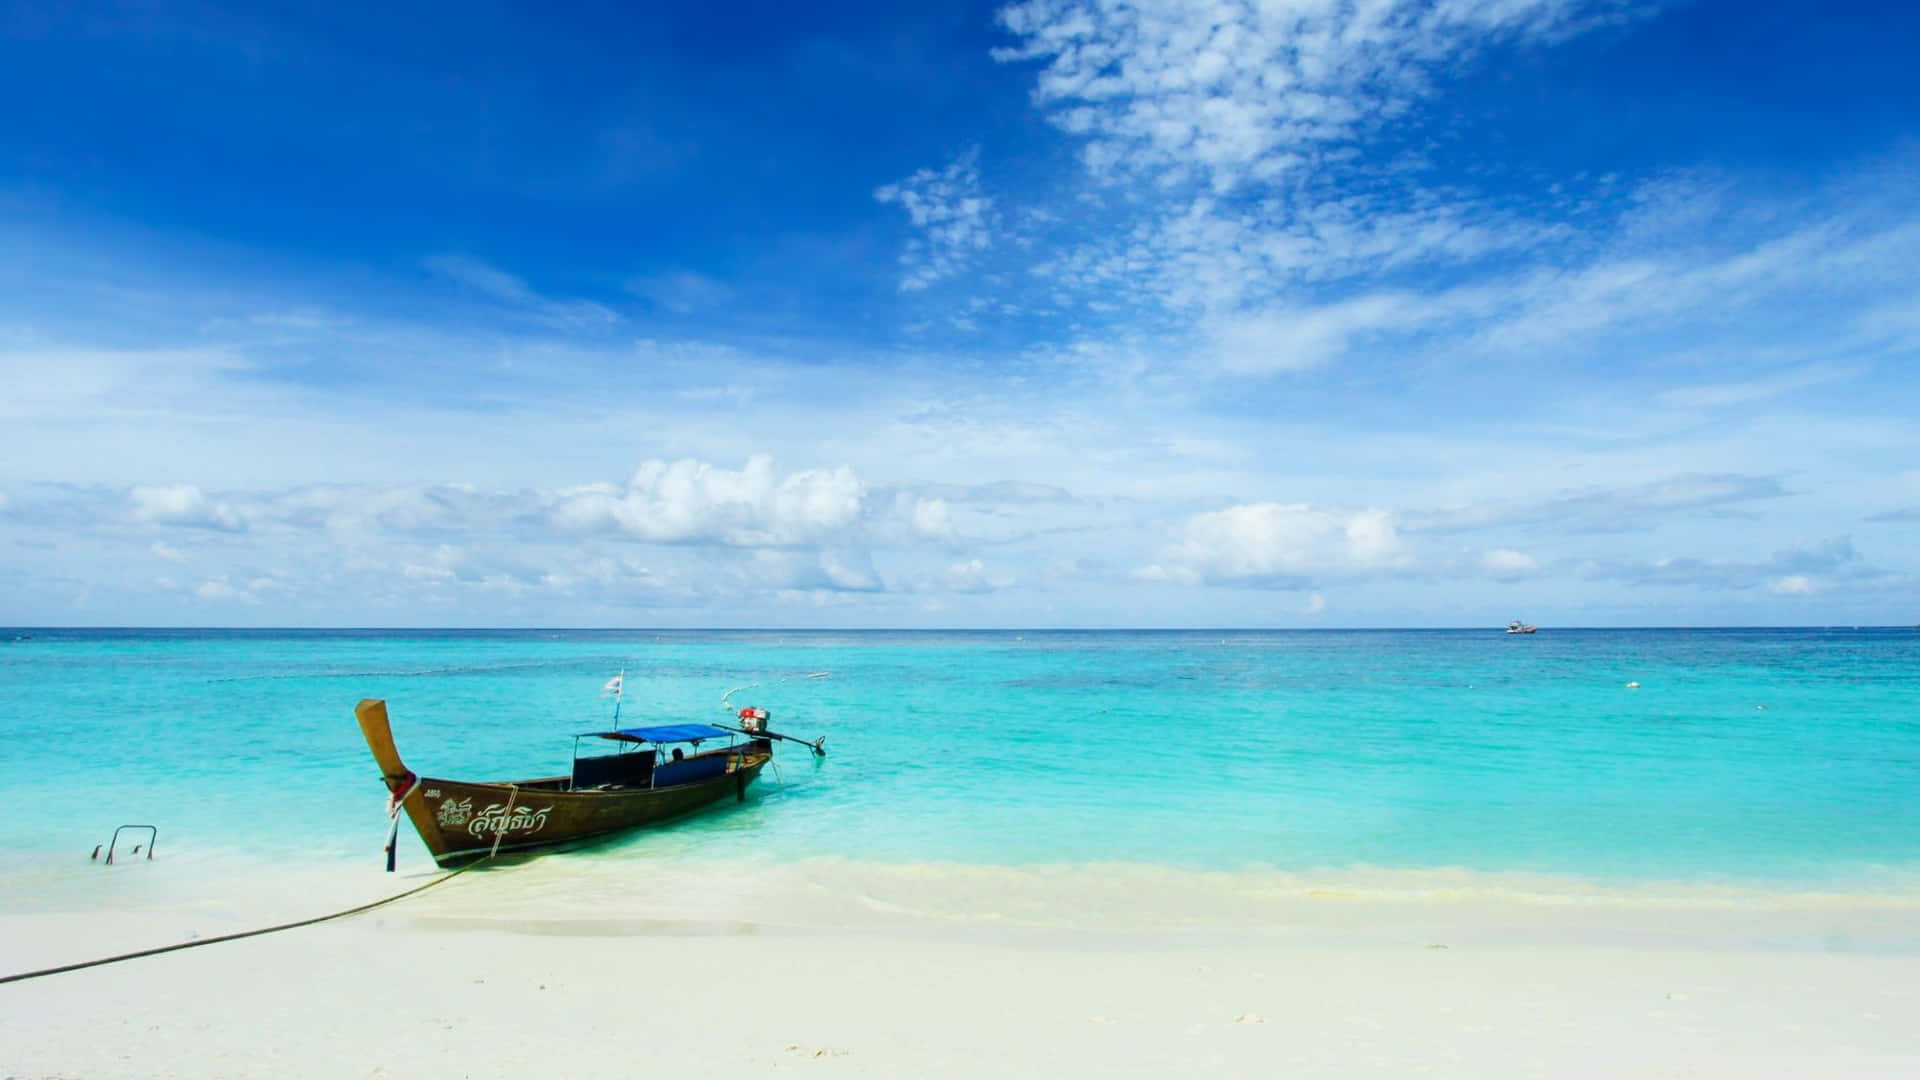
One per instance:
[(403, 787)]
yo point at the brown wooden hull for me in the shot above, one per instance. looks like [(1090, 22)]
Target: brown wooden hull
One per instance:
[(465, 818), (460, 821)]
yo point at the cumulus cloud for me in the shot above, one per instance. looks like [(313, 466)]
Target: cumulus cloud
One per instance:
[(1280, 546), (1508, 563), (932, 519), (218, 590), (969, 576), (695, 502), (953, 215), (846, 570), (683, 502), (1791, 585), (967, 515), (183, 504)]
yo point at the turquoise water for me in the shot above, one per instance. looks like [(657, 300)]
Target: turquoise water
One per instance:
[(1764, 757)]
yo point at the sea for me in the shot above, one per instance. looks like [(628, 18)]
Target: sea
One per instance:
[(1754, 760)]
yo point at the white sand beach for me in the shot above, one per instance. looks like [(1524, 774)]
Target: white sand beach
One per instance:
[(574, 967)]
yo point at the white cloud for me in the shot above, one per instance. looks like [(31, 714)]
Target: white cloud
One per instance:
[(218, 591), (1432, 391), (695, 502), (954, 216), (163, 550), (932, 519), (1507, 563), (835, 571), (1316, 604), (1792, 585), (969, 576), (1230, 92), (1245, 215), (183, 504), (1282, 546), (1227, 143)]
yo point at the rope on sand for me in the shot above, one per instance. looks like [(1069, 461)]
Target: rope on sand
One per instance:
[(24, 975)]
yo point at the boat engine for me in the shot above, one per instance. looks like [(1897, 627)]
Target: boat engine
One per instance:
[(753, 720)]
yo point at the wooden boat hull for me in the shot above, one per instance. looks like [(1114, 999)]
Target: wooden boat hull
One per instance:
[(460, 821)]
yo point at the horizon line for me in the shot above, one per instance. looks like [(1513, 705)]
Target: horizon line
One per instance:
[(1489, 628)]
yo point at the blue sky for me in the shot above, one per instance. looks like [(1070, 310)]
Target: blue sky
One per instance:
[(1047, 314)]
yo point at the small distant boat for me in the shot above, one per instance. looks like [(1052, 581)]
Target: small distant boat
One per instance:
[(1518, 627), (635, 785)]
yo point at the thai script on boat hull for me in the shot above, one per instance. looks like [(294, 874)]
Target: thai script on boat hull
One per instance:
[(497, 818), (454, 812)]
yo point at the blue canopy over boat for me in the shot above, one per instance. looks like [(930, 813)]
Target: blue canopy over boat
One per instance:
[(667, 733)]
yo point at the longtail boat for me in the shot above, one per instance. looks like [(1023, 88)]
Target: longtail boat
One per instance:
[(461, 820)]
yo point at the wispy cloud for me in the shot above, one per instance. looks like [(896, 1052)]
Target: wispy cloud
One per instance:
[(1254, 205), (1792, 572), (1715, 395), (1228, 138), (1621, 509), (682, 292), (1232, 93), (953, 215), (496, 284), (1252, 305)]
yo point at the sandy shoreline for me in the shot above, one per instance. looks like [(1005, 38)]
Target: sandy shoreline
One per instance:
[(570, 967)]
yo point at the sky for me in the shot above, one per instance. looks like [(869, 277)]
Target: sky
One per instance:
[(1061, 313)]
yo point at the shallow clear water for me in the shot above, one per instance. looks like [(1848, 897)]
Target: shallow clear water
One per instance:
[(1763, 757)]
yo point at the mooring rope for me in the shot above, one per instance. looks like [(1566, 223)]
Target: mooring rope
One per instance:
[(24, 975), (513, 792)]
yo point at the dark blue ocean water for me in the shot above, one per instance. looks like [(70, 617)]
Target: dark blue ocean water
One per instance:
[(1762, 757)]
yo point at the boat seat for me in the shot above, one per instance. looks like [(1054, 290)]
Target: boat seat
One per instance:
[(690, 770), (613, 770)]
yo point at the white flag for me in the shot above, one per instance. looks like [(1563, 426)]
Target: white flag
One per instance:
[(612, 689)]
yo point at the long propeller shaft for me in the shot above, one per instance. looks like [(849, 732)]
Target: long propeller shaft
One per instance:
[(815, 746)]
